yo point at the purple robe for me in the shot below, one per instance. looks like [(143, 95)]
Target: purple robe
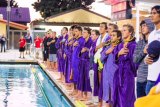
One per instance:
[(68, 51), (108, 74), (83, 83), (76, 58), (100, 90), (94, 66), (60, 52), (124, 81)]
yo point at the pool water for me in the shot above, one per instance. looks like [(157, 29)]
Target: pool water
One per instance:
[(28, 86)]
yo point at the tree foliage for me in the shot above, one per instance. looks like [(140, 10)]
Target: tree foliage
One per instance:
[(50, 7)]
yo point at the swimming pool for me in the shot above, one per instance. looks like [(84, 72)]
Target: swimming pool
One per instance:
[(25, 85)]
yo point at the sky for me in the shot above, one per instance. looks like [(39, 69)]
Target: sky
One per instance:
[(96, 6)]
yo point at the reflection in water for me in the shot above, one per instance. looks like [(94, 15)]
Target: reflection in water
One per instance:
[(18, 88)]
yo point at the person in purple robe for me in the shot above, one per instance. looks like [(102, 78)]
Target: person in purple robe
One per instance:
[(103, 38), (107, 58), (68, 56), (124, 81), (83, 84), (78, 45), (60, 44), (93, 66)]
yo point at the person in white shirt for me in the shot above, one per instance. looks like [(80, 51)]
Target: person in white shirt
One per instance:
[(154, 67)]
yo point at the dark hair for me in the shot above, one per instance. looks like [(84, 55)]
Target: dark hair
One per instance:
[(73, 27), (119, 34), (114, 26), (96, 32), (105, 24), (79, 28), (144, 37), (142, 22), (130, 28), (88, 30), (157, 8), (65, 28)]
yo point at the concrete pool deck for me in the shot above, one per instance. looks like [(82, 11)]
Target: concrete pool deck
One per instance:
[(13, 56)]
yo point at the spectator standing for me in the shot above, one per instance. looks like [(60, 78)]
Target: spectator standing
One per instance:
[(52, 51), (37, 42), (45, 48), (28, 42), (22, 43), (139, 54), (153, 68), (3, 43)]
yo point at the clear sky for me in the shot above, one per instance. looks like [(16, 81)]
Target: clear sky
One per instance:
[(97, 7)]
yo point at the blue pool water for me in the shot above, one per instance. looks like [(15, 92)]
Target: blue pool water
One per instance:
[(28, 86)]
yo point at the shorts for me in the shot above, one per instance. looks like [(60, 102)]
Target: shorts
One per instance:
[(38, 50), (28, 45), (52, 57), (21, 49)]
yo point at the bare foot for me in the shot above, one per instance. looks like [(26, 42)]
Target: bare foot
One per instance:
[(83, 99), (68, 87), (59, 79), (73, 93)]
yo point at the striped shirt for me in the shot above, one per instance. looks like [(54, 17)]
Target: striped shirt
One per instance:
[(139, 59)]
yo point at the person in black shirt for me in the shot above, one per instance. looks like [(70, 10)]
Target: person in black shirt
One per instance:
[(52, 51), (3, 43), (45, 48)]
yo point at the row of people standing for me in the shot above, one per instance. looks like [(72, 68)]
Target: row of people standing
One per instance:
[(114, 56), (25, 43), (50, 50)]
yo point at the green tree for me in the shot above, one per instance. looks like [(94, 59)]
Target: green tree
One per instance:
[(4, 3), (50, 7)]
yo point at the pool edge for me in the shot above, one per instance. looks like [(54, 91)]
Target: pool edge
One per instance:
[(72, 103)]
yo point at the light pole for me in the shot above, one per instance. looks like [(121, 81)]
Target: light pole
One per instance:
[(8, 20)]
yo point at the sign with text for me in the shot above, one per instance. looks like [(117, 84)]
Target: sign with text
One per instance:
[(121, 15)]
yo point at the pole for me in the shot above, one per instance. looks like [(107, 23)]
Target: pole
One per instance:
[(8, 20), (137, 22)]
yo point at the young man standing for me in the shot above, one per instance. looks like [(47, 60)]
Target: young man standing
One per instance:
[(22, 44), (139, 54), (3, 43), (60, 44), (52, 51), (38, 42), (103, 38), (28, 42), (153, 68), (78, 45)]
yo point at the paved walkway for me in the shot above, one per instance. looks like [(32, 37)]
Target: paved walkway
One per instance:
[(13, 55)]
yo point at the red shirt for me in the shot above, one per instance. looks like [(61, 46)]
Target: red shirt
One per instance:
[(22, 43), (37, 42)]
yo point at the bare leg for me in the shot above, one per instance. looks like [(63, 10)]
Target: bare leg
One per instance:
[(108, 105), (100, 103), (20, 54), (23, 54), (79, 95), (99, 76)]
